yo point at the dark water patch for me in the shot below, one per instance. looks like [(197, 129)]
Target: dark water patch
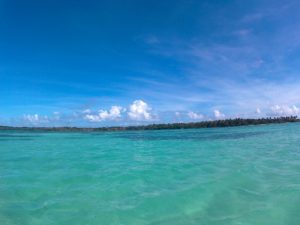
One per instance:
[(190, 136), (95, 134), (18, 136), (75, 138), (100, 134), (82, 135), (16, 139)]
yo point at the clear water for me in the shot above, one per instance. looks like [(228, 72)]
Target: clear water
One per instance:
[(242, 175)]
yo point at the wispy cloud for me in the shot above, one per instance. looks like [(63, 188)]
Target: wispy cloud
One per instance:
[(235, 64)]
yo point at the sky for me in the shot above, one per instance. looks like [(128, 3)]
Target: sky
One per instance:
[(106, 63)]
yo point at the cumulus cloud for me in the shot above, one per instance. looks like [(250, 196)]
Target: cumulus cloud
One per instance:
[(35, 118), (92, 118), (31, 118), (113, 114), (139, 110), (218, 114), (195, 116), (284, 110)]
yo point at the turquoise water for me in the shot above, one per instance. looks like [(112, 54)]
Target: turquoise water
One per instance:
[(242, 175)]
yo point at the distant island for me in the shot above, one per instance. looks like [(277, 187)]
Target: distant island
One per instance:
[(192, 125)]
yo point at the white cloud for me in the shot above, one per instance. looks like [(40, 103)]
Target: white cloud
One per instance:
[(92, 118), (56, 115), (113, 114), (284, 110), (31, 118), (139, 110), (258, 111), (177, 114), (35, 118), (87, 111), (218, 114), (195, 116)]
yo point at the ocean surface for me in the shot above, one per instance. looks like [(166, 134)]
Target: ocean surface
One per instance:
[(217, 176)]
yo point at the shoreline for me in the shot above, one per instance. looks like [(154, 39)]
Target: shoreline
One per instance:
[(164, 126)]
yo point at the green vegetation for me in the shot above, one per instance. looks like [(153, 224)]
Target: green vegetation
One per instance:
[(203, 124)]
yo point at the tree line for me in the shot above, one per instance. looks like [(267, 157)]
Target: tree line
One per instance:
[(165, 126)]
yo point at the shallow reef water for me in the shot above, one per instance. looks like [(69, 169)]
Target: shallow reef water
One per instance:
[(212, 176)]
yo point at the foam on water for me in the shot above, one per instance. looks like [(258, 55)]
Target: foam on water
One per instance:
[(241, 175)]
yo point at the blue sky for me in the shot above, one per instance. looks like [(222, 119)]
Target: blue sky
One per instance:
[(99, 63)]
